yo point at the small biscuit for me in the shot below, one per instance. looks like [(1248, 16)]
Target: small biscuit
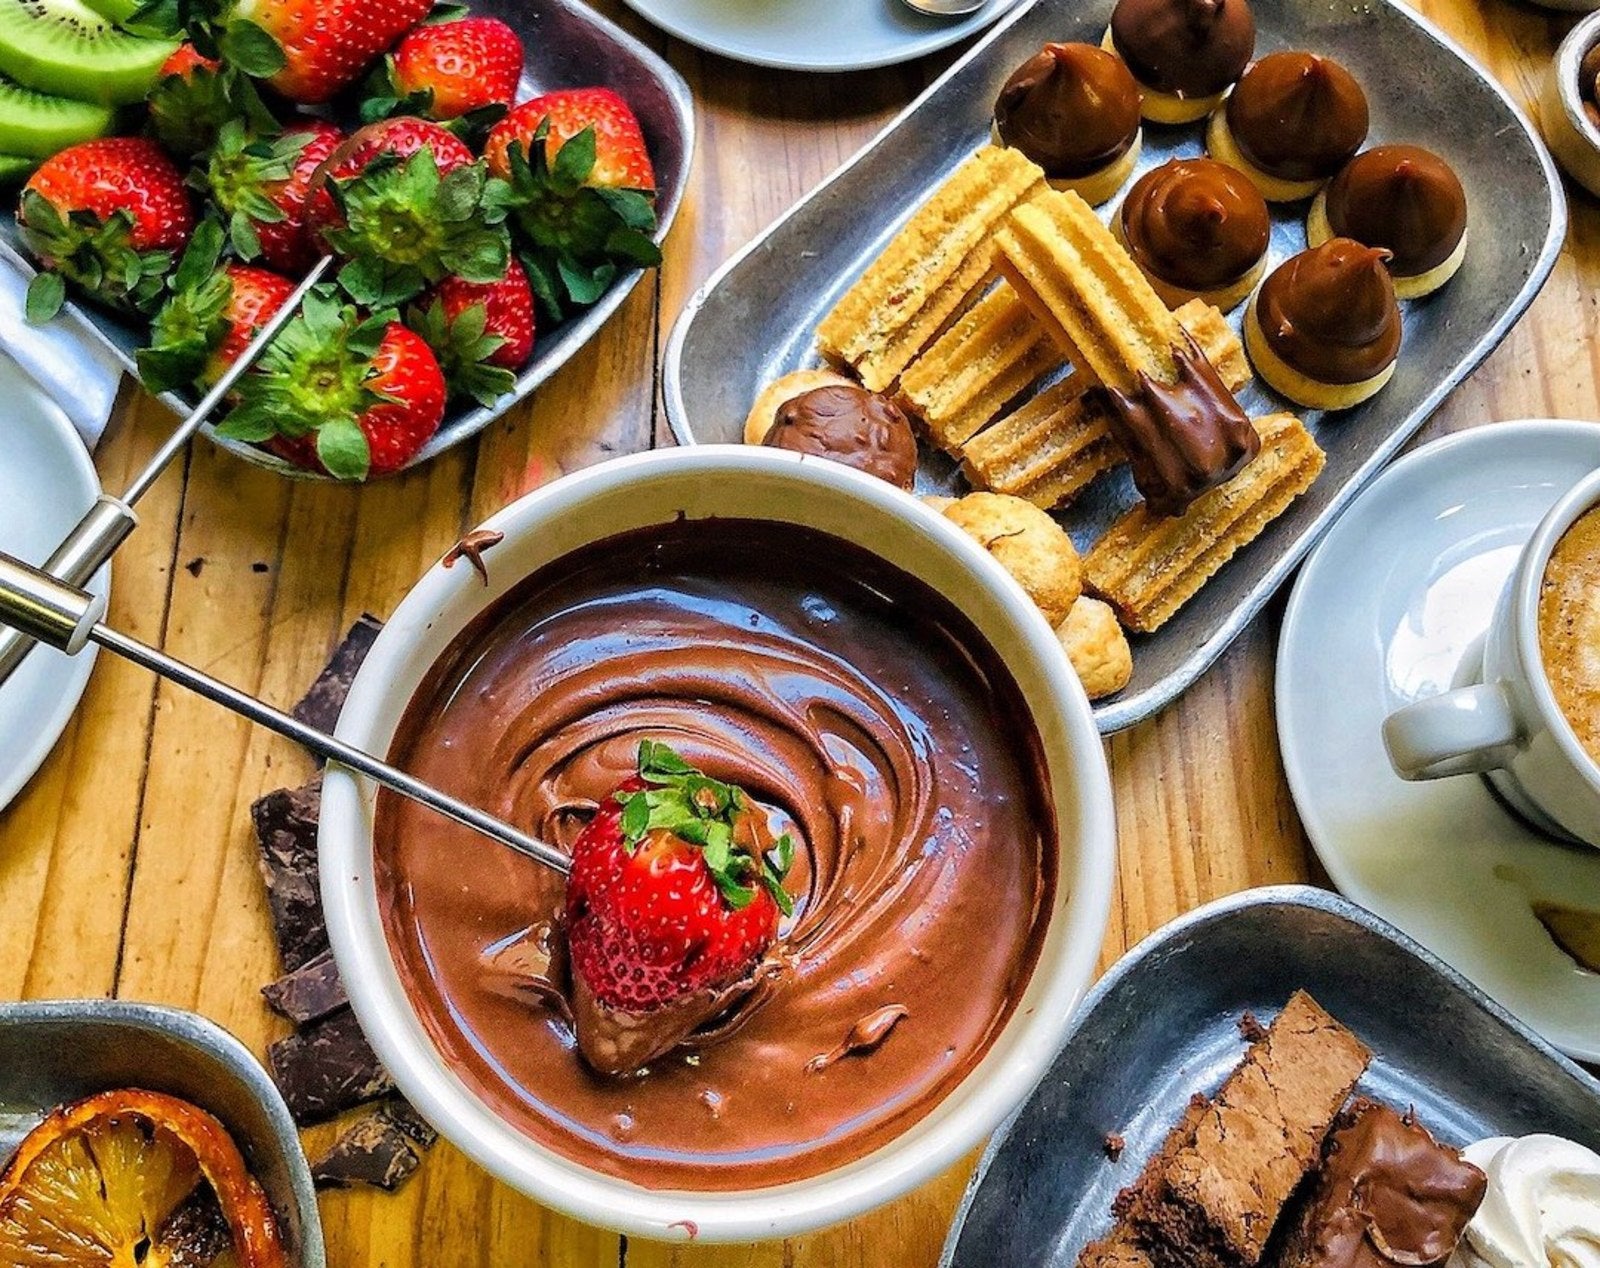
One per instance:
[(796, 383), (1028, 544), (1097, 647)]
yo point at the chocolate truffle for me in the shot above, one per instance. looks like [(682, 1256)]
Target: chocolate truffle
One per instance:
[(1196, 227), (1324, 328), (1291, 122), (1074, 110), (850, 425), (1402, 198), (1184, 53), (1387, 1194)]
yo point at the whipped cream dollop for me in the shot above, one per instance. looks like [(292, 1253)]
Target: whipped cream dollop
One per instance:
[(1542, 1207)]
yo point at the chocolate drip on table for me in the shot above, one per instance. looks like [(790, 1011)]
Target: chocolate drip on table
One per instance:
[(851, 425), (1195, 223), (1183, 438), (1330, 312), (1189, 48), (1403, 198), (1071, 108), (1298, 116)]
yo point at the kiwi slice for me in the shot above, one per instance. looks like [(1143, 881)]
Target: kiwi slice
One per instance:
[(119, 11), (37, 125), (15, 168), (65, 48)]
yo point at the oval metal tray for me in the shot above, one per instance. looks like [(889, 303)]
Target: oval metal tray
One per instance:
[(568, 45), (756, 317), (1163, 1023)]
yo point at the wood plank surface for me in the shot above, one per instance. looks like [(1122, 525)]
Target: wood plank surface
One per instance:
[(127, 867)]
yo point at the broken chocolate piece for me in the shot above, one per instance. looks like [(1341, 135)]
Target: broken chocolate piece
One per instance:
[(320, 706), (374, 1150), (1183, 438), (327, 1068), (286, 830), (407, 1120), (196, 1234), (471, 548), (309, 993)]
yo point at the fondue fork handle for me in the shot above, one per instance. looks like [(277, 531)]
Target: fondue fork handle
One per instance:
[(108, 522), (68, 618)]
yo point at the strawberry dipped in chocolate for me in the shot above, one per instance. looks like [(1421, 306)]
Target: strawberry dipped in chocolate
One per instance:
[(674, 901)]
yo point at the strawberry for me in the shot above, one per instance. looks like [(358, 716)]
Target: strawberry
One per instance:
[(108, 215), (403, 202), (581, 188), (311, 49), (210, 319), (261, 184), (449, 69), (340, 393), (671, 903), (481, 332), (190, 101)]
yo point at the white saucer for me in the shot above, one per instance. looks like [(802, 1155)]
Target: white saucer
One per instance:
[(46, 483), (1383, 612), (815, 35)]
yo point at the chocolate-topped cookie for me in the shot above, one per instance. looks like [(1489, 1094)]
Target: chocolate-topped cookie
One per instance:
[(1184, 53)]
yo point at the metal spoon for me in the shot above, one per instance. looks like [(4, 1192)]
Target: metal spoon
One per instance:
[(944, 8)]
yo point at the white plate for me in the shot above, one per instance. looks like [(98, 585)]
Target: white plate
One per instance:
[(817, 35), (1381, 615), (46, 483)]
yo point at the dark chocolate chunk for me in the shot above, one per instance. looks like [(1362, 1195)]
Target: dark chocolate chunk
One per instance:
[(373, 1151), (286, 830), (196, 1234), (309, 993), (321, 705), (326, 1069), (406, 1119)]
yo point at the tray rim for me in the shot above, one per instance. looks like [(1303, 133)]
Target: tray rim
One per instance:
[(199, 1032), (1308, 897), (1123, 712), (479, 417)]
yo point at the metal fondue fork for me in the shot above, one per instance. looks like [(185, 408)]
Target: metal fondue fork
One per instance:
[(44, 609), (108, 522)]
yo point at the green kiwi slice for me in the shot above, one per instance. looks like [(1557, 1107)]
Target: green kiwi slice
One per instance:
[(15, 168), (37, 125), (65, 48)]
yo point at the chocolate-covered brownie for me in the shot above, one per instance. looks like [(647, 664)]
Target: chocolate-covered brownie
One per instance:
[(1120, 1247)]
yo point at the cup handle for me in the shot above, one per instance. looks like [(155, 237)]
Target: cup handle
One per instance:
[(1462, 732)]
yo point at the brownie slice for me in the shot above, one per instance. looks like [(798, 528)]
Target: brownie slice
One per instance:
[(1220, 1193), (1120, 1247), (1387, 1194)]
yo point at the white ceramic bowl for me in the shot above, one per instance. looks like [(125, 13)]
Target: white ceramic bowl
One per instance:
[(1571, 137), (752, 482)]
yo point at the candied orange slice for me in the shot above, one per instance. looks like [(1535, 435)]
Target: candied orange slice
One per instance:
[(97, 1181)]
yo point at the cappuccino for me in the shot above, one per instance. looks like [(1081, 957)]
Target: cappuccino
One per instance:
[(1569, 627)]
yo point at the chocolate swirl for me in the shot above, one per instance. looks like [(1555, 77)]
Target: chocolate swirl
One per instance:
[(1298, 116), (1189, 48), (860, 711), (1403, 198), (1330, 312), (851, 425), (1071, 108), (1195, 223)]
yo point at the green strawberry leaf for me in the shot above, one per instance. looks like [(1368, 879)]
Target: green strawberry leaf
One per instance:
[(634, 209), (574, 161), (585, 285), (252, 49), (342, 447), (47, 292), (248, 423)]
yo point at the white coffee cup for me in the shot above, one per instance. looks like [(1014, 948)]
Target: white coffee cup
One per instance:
[(1505, 723)]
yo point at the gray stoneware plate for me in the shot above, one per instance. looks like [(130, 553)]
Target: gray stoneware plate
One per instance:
[(56, 1052), (755, 319), (1163, 1023), (568, 45)]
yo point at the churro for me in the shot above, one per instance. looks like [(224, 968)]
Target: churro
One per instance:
[(1147, 567)]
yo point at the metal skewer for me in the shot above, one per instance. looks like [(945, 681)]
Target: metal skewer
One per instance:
[(44, 609), (109, 521)]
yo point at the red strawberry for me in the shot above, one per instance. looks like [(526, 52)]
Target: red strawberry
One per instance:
[(582, 191), (339, 393), (621, 159), (261, 185), (325, 44), (108, 215), (403, 202), (195, 96), (254, 297), (209, 321), (185, 60), (480, 331), (670, 906), (453, 68)]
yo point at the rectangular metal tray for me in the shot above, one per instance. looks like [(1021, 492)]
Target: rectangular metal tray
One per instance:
[(568, 45), (52, 1053), (755, 318), (1163, 1023)]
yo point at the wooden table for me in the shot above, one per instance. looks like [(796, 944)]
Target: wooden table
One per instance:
[(127, 868)]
